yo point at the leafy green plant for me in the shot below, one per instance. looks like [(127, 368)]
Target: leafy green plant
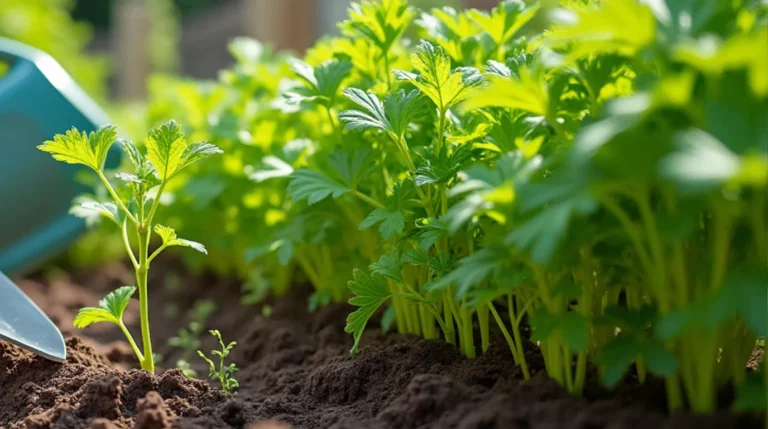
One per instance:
[(224, 373), (596, 191), (167, 153)]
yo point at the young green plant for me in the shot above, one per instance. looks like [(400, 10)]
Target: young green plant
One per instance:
[(167, 153), (223, 373)]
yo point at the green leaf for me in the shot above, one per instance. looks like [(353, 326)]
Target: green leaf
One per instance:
[(543, 233), (390, 222), (572, 328), (575, 331), (473, 270), (314, 186), (382, 22), (504, 21), (370, 292), (394, 115), (430, 232), (616, 357), (74, 147), (527, 92), (389, 265), (436, 80), (169, 153), (613, 26), (321, 83), (108, 210), (110, 309), (143, 169), (168, 235), (702, 163)]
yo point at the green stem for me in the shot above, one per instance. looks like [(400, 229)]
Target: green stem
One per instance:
[(117, 199), (369, 200), (155, 204), (148, 363), (450, 337), (127, 244), (516, 332), (482, 319), (128, 336), (334, 125)]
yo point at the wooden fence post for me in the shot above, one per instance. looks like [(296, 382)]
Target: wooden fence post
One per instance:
[(285, 24), (129, 38)]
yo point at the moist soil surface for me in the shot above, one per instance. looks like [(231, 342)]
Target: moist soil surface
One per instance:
[(295, 372)]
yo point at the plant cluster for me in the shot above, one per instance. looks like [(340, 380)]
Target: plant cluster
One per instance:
[(598, 187), (133, 208)]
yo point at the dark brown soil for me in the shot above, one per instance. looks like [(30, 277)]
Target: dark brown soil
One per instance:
[(295, 372)]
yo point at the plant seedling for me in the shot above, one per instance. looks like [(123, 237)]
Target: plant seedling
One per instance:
[(167, 153), (224, 372)]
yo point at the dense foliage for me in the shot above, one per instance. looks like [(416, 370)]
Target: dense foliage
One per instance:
[(603, 182), (47, 25)]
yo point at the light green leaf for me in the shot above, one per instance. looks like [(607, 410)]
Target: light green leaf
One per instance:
[(504, 21), (380, 21), (169, 153), (168, 235), (370, 292), (394, 115), (74, 147), (474, 269), (108, 210), (436, 80), (110, 308), (314, 186), (389, 265), (321, 83), (528, 93), (612, 26)]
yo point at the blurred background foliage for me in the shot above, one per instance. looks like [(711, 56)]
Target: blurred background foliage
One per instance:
[(49, 26)]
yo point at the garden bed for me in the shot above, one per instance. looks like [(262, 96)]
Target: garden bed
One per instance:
[(295, 369)]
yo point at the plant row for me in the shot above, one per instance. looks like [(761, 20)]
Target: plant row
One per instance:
[(595, 173)]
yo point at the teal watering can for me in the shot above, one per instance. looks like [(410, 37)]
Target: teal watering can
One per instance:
[(38, 99)]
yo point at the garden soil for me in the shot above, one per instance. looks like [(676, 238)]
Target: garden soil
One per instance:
[(295, 372)]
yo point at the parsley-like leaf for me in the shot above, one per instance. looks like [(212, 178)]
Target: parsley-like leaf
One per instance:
[(168, 235), (380, 21), (314, 186), (110, 309), (169, 153), (390, 222), (436, 80), (370, 292), (321, 83), (506, 19), (74, 147), (393, 116)]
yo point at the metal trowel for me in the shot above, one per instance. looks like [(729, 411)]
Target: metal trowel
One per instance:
[(24, 324), (38, 99)]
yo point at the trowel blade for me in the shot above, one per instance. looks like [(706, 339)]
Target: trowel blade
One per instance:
[(22, 323)]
